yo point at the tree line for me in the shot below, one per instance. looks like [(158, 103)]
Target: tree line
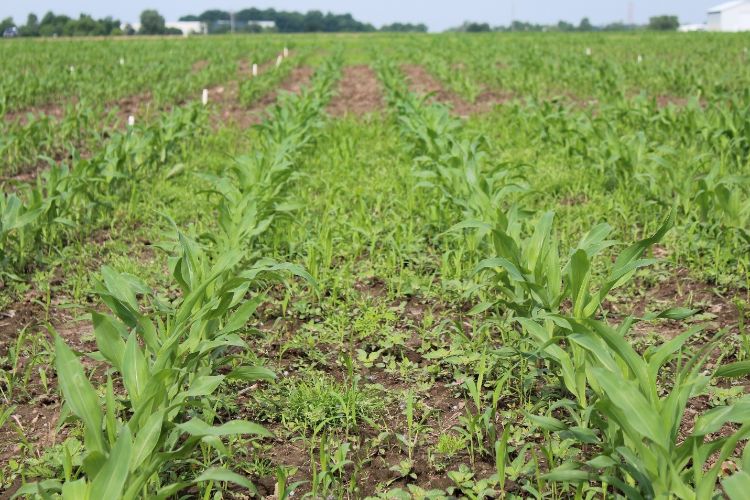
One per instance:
[(219, 21), (656, 23), (54, 25)]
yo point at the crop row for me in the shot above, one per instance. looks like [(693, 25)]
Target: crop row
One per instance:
[(166, 354), (617, 403), (50, 72)]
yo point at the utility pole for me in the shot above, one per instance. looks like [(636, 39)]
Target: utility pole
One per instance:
[(231, 21)]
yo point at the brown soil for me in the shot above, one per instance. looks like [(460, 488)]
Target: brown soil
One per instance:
[(359, 92), (682, 290), (131, 105), (230, 110), (439, 407), (422, 82), (32, 426), (52, 109), (678, 290), (199, 66), (664, 101)]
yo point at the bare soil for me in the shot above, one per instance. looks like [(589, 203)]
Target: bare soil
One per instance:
[(230, 110), (32, 427), (421, 81), (359, 92)]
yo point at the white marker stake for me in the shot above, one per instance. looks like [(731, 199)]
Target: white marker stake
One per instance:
[(640, 59), (278, 60), (255, 70), (122, 61), (131, 120), (72, 69), (286, 52), (588, 51), (205, 97)]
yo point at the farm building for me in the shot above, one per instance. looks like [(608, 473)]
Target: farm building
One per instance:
[(730, 16), (189, 27), (688, 28)]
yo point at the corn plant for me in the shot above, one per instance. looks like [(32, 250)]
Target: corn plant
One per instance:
[(642, 452), (167, 353)]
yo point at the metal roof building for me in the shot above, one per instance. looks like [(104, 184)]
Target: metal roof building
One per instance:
[(730, 16)]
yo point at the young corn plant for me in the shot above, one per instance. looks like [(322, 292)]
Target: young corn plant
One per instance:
[(167, 353), (638, 424)]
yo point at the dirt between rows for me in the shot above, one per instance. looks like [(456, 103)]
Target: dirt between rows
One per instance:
[(32, 426), (422, 82), (231, 110), (358, 93)]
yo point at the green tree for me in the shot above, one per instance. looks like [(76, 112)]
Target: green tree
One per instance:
[(31, 28), (663, 23), (152, 23), (585, 25), (6, 23)]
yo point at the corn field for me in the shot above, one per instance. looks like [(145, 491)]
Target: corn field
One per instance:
[(376, 266)]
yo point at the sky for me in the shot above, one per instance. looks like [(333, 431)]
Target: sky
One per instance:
[(437, 14)]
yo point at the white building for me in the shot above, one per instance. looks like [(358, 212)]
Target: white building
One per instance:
[(687, 28), (730, 16), (187, 27), (265, 25)]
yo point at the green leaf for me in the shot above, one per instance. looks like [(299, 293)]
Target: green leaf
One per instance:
[(242, 314), (79, 394), (639, 415), (109, 335), (76, 490), (567, 475), (146, 440), (737, 486), (547, 423), (225, 475), (676, 313), (134, 368), (601, 462), (733, 370), (204, 385), (714, 419), (579, 277), (110, 481), (251, 373), (118, 287), (495, 262), (199, 428)]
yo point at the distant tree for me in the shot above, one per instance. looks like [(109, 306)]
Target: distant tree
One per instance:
[(585, 25), (152, 23), (314, 21), (619, 26), (476, 27), (405, 27), (286, 22), (664, 23), (214, 15), (565, 26), (6, 23), (31, 28)]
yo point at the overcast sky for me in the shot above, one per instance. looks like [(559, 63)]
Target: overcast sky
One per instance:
[(437, 14)]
